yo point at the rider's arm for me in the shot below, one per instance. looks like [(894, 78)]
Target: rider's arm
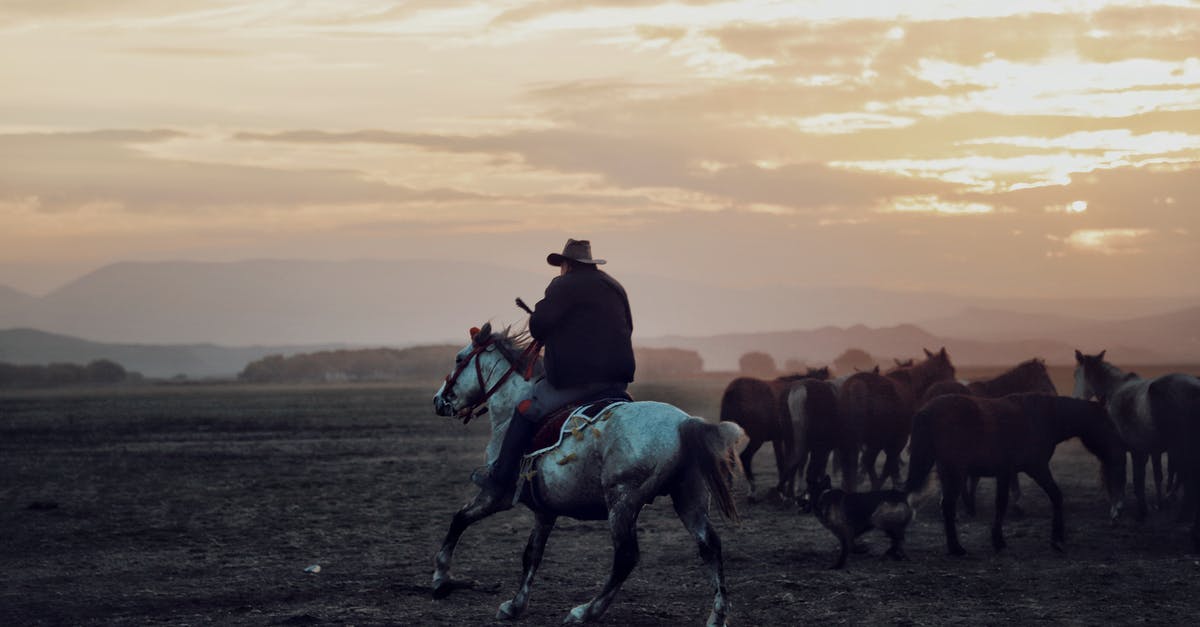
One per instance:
[(550, 310)]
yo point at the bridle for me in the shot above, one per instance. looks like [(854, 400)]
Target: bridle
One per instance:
[(479, 406)]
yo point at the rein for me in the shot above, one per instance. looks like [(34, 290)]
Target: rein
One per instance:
[(479, 407)]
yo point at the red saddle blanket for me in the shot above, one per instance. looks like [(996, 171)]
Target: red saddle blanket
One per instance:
[(547, 434)]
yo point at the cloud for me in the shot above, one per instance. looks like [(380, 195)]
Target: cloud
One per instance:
[(67, 171), (1108, 241), (537, 9), (632, 161)]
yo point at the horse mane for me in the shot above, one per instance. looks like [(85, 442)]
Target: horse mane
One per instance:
[(820, 374), (1019, 378), (514, 344)]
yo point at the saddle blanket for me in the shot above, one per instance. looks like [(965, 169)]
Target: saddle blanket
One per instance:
[(569, 422)]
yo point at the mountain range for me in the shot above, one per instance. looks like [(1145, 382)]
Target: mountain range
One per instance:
[(243, 310)]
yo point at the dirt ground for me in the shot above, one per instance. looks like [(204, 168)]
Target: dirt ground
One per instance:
[(205, 504)]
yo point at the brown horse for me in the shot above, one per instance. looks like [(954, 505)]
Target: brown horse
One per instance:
[(1000, 437), (878, 409), (1028, 376), (754, 405), (811, 407)]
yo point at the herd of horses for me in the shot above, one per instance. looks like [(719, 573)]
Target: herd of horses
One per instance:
[(997, 427), (614, 464)]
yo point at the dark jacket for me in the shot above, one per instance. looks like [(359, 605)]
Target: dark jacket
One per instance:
[(585, 325)]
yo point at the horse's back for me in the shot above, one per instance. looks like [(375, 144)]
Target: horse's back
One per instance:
[(1174, 400), (753, 404), (971, 431)]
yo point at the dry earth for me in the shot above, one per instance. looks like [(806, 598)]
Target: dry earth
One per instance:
[(205, 504)]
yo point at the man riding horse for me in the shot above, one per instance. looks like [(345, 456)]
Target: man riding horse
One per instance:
[(585, 326)]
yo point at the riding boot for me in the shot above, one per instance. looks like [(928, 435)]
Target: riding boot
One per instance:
[(501, 478)]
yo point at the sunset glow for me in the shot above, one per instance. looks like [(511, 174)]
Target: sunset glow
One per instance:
[(493, 130)]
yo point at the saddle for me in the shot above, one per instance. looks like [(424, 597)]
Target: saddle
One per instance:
[(549, 434), (571, 421)]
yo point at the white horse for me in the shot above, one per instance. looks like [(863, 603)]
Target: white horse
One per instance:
[(1156, 415), (631, 453)]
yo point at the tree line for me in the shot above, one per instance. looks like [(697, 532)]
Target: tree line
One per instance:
[(424, 363), (97, 372)]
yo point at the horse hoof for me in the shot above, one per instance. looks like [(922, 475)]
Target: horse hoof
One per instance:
[(577, 616), (507, 611), (442, 588)]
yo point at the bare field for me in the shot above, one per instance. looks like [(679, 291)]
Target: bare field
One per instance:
[(205, 504)]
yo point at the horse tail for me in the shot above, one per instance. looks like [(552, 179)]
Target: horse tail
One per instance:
[(712, 450), (921, 455)]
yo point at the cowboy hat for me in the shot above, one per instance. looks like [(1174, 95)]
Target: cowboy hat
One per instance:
[(577, 250)]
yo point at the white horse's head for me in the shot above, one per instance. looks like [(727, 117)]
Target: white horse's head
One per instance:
[(463, 388), (489, 374)]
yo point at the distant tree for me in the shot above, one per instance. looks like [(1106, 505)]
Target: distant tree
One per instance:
[(757, 364), (419, 363), (65, 374), (104, 371), (794, 365), (852, 359), (664, 363)]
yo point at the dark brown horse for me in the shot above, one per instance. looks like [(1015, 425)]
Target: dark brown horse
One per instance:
[(754, 405), (878, 409), (811, 407), (1028, 376), (1001, 437)]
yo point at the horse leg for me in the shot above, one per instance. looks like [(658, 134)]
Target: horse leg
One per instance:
[(542, 526), (1156, 464), (1003, 478), (817, 462), (782, 466), (952, 480), (970, 487), (1139, 483), (868, 462), (747, 457), (1046, 481), (891, 467), (1015, 491), (848, 458), (471, 513), (844, 548), (691, 504), (622, 522)]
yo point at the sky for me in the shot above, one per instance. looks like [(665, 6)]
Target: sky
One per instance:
[(974, 147)]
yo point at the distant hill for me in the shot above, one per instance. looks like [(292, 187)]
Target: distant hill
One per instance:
[(821, 346), (400, 303), (1174, 337), (12, 300), (28, 346)]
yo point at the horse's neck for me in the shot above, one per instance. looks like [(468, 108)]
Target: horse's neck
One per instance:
[(1068, 420), (501, 406), (918, 380), (1112, 379)]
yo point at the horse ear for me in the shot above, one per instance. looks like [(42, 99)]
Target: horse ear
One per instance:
[(927, 353), (1101, 355), (480, 335), (1078, 356), (942, 352)]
